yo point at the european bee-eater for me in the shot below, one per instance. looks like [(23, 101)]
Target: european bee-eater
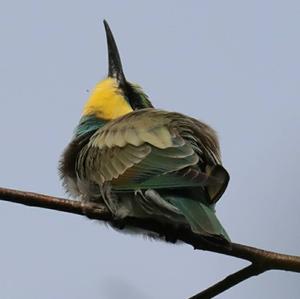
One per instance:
[(143, 162)]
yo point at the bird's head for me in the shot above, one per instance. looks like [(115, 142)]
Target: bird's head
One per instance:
[(114, 96)]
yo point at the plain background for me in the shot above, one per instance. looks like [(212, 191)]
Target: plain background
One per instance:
[(232, 64)]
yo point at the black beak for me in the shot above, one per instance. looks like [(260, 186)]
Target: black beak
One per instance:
[(115, 69)]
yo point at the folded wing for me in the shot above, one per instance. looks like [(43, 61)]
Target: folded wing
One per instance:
[(151, 148)]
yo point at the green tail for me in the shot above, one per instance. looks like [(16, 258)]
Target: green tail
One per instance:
[(202, 218)]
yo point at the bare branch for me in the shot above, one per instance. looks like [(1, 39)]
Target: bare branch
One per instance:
[(261, 260), (229, 282)]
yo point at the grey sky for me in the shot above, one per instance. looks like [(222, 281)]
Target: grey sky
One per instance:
[(233, 64)]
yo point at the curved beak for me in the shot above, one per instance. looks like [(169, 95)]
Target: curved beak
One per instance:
[(115, 69)]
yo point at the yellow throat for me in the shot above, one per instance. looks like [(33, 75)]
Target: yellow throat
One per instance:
[(106, 101)]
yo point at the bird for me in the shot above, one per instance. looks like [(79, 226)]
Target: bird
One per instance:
[(143, 162)]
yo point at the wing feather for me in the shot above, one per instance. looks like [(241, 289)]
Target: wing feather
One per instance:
[(147, 146)]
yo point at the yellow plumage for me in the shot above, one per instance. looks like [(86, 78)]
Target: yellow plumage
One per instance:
[(106, 101)]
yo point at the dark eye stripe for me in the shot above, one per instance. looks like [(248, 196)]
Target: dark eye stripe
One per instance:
[(136, 98)]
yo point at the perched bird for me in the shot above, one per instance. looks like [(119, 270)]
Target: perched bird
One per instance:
[(143, 162)]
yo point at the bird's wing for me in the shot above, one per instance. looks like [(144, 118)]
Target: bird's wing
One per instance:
[(150, 148)]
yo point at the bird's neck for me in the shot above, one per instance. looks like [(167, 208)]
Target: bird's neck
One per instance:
[(87, 124)]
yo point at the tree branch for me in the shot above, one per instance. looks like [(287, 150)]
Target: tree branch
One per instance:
[(261, 260), (229, 282)]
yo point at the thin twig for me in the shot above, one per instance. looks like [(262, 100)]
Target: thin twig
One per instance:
[(229, 282), (261, 260)]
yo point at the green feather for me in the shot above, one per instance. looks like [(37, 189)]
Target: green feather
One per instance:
[(202, 218), (88, 124)]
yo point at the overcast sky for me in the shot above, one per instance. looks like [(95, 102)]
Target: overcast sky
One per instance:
[(232, 64)]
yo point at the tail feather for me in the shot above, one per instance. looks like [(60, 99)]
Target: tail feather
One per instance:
[(202, 218)]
